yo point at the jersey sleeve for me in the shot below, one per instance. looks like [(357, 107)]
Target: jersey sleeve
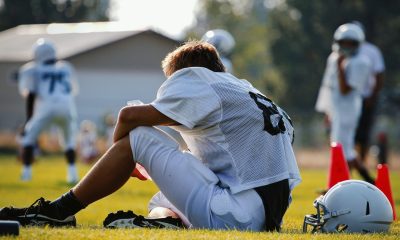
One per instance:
[(72, 78), (379, 63), (188, 100), (358, 73), (26, 80)]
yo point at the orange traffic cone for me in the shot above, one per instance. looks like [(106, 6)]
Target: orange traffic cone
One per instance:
[(140, 173), (338, 170), (383, 183)]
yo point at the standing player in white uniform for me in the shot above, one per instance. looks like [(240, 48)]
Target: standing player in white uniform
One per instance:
[(340, 97), (48, 85), (370, 95), (224, 43), (240, 169)]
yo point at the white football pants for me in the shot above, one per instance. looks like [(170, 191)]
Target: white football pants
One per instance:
[(62, 115), (190, 188)]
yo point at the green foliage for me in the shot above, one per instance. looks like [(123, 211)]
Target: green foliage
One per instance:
[(17, 12), (282, 45), (49, 182), (304, 31), (246, 21)]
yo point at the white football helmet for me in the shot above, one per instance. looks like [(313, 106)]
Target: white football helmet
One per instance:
[(221, 40), (43, 50), (351, 206), (349, 32)]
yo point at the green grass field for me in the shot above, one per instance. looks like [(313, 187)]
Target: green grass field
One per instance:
[(49, 182)]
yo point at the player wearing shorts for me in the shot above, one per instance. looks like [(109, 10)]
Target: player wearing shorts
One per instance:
[(48, 85), (346, 75), (238, 173)]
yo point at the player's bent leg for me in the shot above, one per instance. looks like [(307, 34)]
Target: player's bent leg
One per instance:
[(160, 201), (192, 187), (40, 213), (109, 174)]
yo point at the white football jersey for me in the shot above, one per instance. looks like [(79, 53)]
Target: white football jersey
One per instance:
[(241, 135), (53, 83), (330, 99), (377, 64)]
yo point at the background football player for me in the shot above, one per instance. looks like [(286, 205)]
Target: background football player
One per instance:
[(48, 86), (340, 98), (224, 42), (370, 95)]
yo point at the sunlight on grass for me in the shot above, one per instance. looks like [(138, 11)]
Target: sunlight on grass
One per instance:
[(49, 181)]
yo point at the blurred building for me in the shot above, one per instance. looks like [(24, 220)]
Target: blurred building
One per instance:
[(114, 64)]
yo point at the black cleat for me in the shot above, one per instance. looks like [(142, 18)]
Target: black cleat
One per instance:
[(40, 213), (128, 219)]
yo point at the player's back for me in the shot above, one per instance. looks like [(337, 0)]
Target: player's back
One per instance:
[(52, 83), (244, 137)]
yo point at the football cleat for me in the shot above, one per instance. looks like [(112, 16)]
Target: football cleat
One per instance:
[(128, 219), (40, 213)]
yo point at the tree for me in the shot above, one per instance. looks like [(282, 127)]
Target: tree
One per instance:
[(16, 12), (304, 32), (282, 45), (246, 21)]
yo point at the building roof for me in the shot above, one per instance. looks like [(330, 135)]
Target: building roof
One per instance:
[(70, 39)]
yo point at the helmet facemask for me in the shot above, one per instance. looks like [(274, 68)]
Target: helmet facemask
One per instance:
[(318, 221), (346, 47)]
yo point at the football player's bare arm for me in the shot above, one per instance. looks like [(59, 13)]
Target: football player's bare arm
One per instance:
[(114, 168), (343, 85), (131, 117)]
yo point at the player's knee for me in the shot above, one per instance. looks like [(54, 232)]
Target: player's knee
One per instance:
[(157, 136)]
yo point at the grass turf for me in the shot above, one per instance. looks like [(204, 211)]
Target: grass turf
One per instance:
[(49, 181)]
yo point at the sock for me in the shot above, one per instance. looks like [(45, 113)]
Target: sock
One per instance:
[(67, 205), (71, 156), (27, 155)]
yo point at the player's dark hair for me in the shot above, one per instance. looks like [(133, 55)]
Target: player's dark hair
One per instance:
[(192, 54)]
